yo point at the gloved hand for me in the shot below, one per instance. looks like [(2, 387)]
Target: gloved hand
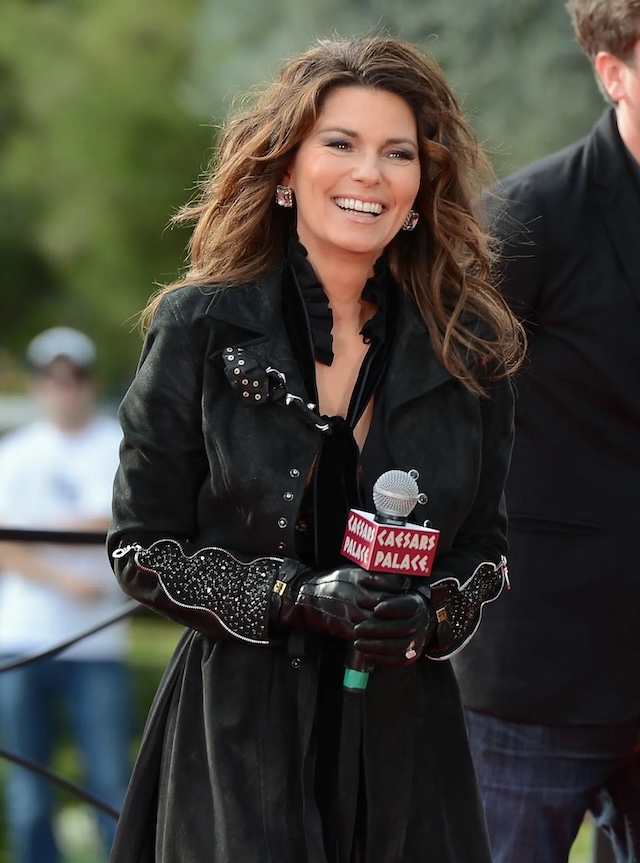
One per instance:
[(398, 629), (333, 601)]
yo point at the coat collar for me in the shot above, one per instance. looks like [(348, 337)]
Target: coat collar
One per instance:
[(256, 307), (617, 193)]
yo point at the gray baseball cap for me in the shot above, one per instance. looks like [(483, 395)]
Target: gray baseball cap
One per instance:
[(65, 342)]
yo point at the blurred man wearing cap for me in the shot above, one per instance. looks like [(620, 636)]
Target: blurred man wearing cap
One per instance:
[(57, 473)]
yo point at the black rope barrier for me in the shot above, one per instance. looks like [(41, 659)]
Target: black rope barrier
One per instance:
[(62, 537), (66, 537), (60, 781), (129, 608)]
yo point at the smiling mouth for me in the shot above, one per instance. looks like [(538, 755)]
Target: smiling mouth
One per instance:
[(353, 205)]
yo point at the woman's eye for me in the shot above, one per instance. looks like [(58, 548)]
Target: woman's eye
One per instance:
[(339, 145), (402, 154)]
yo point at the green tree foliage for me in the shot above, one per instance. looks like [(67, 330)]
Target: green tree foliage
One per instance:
[(106, 113), (514, 64), (517, 69), (96, 152)]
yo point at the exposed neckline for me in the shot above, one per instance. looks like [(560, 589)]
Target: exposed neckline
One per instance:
[(317, 306)]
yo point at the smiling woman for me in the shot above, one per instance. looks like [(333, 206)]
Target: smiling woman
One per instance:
[(337, 322), (355, 178)]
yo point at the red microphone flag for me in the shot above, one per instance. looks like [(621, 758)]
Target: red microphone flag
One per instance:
[(408, 549)]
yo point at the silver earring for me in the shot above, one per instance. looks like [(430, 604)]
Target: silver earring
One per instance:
[(411, 221), (284, 196)]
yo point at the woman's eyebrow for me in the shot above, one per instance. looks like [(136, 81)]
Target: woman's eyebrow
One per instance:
[(352, 134)]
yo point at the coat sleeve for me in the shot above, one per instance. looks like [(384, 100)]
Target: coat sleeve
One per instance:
[(482, 535), (472, 572), (163, 465)]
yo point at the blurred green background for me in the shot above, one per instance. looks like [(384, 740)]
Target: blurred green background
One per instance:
[(108, 112)]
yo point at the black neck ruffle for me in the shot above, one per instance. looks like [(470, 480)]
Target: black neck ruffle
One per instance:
[(317, 306)]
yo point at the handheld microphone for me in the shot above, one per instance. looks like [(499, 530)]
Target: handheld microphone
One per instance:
[(385, 543)]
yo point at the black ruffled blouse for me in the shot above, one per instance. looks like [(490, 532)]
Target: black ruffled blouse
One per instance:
[(319, 312), (344, 476)]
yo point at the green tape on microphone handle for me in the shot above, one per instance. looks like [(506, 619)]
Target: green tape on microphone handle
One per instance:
[(355, 681)]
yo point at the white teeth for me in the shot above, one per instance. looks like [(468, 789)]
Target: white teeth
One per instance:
[(359, 206)]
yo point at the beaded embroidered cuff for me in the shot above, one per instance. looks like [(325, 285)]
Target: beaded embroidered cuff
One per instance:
[(237, 594), (458, 609)]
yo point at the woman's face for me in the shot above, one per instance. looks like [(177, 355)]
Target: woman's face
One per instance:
[(356, 175)]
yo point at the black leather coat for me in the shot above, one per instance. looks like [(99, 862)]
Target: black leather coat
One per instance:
[(221, 773)]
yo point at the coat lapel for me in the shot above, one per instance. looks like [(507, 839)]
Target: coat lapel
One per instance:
[(255, 309), (414, 368), (617, 195)]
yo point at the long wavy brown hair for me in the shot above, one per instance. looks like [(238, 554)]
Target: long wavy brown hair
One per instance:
[(445, 264)]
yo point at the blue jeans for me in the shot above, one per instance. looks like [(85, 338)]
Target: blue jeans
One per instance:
[(538, 782), (94, 697)]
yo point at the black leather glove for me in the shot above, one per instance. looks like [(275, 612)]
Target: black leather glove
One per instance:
[(333, 601), (398, 629)]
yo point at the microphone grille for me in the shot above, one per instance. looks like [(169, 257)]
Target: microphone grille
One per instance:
[(395, 493)]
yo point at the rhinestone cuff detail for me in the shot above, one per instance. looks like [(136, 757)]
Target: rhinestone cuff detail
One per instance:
[(459, 608), (237, 594)]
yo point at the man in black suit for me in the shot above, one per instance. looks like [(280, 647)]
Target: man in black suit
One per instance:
[(551, 681)]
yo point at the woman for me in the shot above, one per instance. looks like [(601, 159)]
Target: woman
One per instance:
[(337, 321)]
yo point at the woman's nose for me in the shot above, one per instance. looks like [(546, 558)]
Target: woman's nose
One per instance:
[(367, 169)]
